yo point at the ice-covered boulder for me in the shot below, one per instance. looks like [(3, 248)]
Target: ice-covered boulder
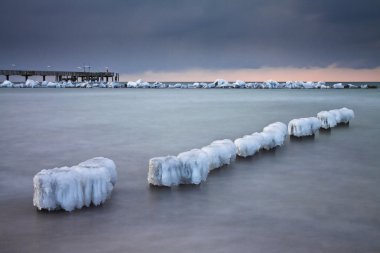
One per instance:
[(271, 84), (221, 83), (6, 84), (189, 167), (338, 86), (113, 85), (346, 115), (333, 117), (278, 130), (308, 85), (30, 83), (272, 136), (52, 85), (304, 126), (90, 182), (239, 84), (327, 119), (164, 171), (194, 166), (248, 145), (220, 153)]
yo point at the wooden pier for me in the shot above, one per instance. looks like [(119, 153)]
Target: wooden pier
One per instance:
[(63, 75)]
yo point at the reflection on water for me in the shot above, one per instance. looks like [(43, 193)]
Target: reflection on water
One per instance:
[(317, 194)]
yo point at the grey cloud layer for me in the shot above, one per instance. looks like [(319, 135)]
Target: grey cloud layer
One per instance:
[(133, 36)]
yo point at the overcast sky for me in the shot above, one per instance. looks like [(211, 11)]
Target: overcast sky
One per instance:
[(142, 37)]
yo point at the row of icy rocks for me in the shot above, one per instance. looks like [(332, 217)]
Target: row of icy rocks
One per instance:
[(92, 181), (219, 83)]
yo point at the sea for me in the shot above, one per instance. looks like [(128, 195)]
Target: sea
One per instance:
[(317, 194)]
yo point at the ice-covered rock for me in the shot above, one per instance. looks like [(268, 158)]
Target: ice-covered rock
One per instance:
[(164, 171), (189, 167), (338, 86), (239, 84), (278, 131), (327, 119), (351, 86), (114, 85), (271, 84), (272, 136), (6, 84), (90, 182), (221, 83), (304, 126), (248, 145), (194, 166), (30, 83), (308, 85), (52, 85), (220, 152), (333, 117)]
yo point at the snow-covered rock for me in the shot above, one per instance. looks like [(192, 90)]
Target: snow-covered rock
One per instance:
[(90, 182), (304, 126)]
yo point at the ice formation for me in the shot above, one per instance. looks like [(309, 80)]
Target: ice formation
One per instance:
[(164, 171), (338, 86), (248, 145), (304, 126), (31, 83), (333, 117), (191, 167), (6, 84), (272, 136), (194, 166), (90, 182), (220, 152)]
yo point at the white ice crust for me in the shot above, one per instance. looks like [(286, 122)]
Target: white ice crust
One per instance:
[(304, 126), (331, 118), (68, 188)]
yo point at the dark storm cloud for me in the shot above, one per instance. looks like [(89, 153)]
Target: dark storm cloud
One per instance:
[(132, 36)]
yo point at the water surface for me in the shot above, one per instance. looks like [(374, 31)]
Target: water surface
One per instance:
[(316, 195)]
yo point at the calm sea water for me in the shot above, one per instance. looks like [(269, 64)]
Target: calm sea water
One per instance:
[(314, 195)]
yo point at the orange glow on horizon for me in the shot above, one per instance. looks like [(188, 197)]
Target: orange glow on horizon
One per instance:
[(329, 74)]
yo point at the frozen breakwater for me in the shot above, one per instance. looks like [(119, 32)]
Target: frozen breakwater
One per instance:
[(192, 167), (68, 188), (217, 84)]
